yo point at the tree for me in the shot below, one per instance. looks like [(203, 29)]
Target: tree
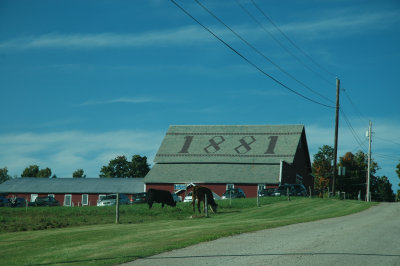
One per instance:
[(118, 167), (4, 176), (322, 168), (33, 171), (44, 173), (121, 167), (355, 178), (139, 166), (30, 171), (381, 189), (79, 173)]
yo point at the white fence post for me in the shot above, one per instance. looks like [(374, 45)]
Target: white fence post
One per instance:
[(205, 205), (117, 209)]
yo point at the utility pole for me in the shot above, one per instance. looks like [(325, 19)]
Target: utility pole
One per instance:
[(336, 136), (369, 162)]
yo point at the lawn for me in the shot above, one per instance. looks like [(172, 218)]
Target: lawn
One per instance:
[(89, 235)]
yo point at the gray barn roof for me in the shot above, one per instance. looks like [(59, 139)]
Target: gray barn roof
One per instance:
[(73, 185), (213, 173), (229, 144), (225, 154)]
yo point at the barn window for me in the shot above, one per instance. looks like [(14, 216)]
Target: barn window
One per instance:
[(67, 199), (179, 187), (230, 186), (50, 195), (33, 197), (261, 187), (101, 196), (85, 199)]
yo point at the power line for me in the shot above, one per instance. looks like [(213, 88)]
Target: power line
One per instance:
[(360, 146), (260, 53), (386, 156), (360, 115), (247, 60), (353, 132), (297, 47), (387, 140), (280, 43)]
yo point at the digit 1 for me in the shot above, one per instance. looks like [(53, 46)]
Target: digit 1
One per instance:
[(271, 145), (188, 141)]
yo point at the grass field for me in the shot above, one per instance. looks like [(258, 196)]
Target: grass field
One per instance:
[(89, 235)]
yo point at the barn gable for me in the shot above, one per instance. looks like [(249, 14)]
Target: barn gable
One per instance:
[(227, 154)]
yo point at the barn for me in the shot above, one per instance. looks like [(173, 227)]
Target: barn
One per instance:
[(71, 191), (249, 157)]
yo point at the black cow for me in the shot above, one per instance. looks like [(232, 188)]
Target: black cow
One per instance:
[(199, 194), (159, 196)]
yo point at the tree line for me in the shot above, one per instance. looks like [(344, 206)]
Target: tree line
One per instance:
[(117, 167), (353, 175)]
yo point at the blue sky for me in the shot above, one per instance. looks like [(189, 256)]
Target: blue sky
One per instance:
[(85, 81)]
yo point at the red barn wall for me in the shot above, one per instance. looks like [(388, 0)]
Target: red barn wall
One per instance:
[(76, 198), (20, 195)]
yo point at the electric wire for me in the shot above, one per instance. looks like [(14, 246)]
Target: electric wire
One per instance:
[(362, 117), (386, 156), (353, 132), (359, 146), (356, 137), (260, 53), (387, 140), (297, 47), (280, 43), (359, 113), (246, 59)]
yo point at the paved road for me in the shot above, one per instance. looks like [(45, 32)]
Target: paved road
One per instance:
[(371, 237)]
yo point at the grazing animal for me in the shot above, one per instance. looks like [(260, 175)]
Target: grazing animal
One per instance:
[(159, 196), (199, 195)]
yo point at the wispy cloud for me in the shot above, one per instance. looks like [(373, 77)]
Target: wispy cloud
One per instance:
[(64, 152), (119, 100), (344, 22), (178, 36), (189, 35), (271, 92)]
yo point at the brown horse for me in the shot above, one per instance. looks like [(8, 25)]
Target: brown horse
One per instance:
[(199, 195)]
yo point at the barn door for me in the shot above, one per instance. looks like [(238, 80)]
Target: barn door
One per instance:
[(230, 186), (67, 200), (33, 197)]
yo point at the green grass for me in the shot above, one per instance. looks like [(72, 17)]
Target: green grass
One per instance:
[(91, 237)]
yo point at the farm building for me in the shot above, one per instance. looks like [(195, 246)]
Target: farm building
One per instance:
[(71, 191), (221, 157)]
